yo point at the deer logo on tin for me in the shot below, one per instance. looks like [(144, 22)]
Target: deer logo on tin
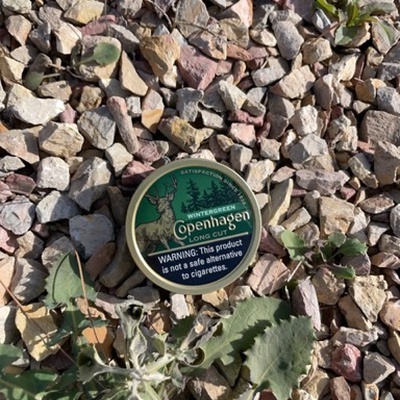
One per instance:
[(161, 230)]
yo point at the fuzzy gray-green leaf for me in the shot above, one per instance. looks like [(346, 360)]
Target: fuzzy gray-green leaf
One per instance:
[(63, 284), (353, 247), (106, 53), (280, 356), (237, 332)]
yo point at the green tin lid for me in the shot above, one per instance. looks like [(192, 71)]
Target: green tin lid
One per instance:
[(193, 226)]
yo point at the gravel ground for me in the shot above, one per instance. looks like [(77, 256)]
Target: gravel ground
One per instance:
[(312, 126)]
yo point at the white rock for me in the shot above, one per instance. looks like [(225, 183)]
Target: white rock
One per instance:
[(53, 173)]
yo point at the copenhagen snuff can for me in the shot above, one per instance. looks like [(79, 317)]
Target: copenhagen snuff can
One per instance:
[(193, 226)]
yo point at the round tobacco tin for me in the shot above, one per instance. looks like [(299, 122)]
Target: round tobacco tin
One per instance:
[(193, 226)]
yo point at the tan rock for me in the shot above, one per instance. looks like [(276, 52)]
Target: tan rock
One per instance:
[(335, 215), (7, 266), (390, 314), (354, 316), (274, 212), (19, 28), (129, 78), (152, 110), (21, 143), (243, 9), (218, 299), (394, 345), (11, 69), (386, 163), (161, 52), (67, 36), (368, 292), (84, 11), (31, 323)]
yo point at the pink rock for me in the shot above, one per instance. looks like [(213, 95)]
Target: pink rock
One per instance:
[(68, 116), (197, 70), (269, 245), (245, 117), (99, 26), (243, 133), (243, 10), (361, 263), (5, 192), (347, 362), (238, 53), (20, 184), (135, 172), (8, 241), (347, 192), (148, 151)]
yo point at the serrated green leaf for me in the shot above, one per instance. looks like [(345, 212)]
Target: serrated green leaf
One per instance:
[(280, 356), (237, 332), (106, 53), (294, 244), (353, 247), (63, 283), (8, 354), (344, 272), (29, 385)]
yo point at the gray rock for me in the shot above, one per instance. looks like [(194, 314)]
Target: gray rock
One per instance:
[(356, 337), (324, 182), (55, 250), (361, 168), (377, 204), (98, 127), (368, 292), (345, 68), (53, 173), (240, 157), (60, 139), (131, 282), (29, 246), (37, 111), (29, 280), (187, 103), (377, 367), (17, 215), (325, 91), (380, 126), (288, 39), (10, 164), (55, 207), (90, 182), (305, 302), (388, 99), (374, 232), (258, 173), (386, 163), (179, 307), (277, 69), (192, 14), (90, 232), (119, 157), (308, 147), (269, 148), (388, 71), (212, 120), (231, 95), (8, 331), (112, 87), (121, 267), (305, 120), (389, 244), (395, 220)]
